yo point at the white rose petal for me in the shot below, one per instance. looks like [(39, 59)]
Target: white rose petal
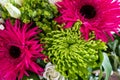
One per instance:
[(19, 2), (3, 2), (2, 27), (48, 64), (13, 11)]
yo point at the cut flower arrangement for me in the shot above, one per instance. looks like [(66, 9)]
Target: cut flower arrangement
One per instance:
[(59, 39)]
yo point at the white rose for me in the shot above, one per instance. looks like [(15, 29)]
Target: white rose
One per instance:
[(51, 74)]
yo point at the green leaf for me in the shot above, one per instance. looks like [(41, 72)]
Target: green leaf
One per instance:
[(118, 50), (116, 62), (31, 77), (107, 66), (113, 45), (101, 73)]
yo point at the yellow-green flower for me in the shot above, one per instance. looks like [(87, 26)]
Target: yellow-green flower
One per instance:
[(72, 55)]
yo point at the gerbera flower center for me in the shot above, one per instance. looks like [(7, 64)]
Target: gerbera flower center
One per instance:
[(14, 51), (88, 11)]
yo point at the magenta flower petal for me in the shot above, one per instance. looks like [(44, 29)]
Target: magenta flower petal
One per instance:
[(100, 16), (19, 50)]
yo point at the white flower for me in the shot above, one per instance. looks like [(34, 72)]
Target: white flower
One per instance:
[(13, 11), (51, 74), (3, 2), (54, 1)]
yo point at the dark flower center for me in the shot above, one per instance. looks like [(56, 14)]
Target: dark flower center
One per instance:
[(88, 11), (14, 51)]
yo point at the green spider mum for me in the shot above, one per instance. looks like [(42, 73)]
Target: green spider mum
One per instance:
[(39, 11), (71, 54)]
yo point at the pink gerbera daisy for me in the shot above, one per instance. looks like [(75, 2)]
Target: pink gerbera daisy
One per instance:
[(19, 50), (99, 16)]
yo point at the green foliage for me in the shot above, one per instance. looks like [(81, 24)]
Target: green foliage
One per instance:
[(4, 13), (114, 50), (107, 66), (39, 11), (72, 55), (32, 76)]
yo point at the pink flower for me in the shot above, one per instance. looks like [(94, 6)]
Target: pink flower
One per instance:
[(99, 16), (19, 49)]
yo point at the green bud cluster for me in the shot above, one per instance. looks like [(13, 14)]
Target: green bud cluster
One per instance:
[(39, 11), (71, 54)]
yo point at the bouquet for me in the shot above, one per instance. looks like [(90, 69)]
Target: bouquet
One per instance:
[(59, 39)]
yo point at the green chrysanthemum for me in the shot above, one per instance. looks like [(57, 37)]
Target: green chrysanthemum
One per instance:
[(39, 11), (71, 54)]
